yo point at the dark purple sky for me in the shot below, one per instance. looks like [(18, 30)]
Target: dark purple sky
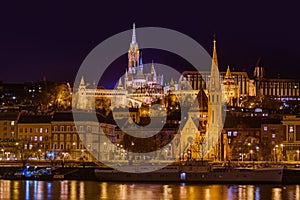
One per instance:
[(52, 40)]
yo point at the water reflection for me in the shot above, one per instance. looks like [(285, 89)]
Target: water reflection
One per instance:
[(98, 190)]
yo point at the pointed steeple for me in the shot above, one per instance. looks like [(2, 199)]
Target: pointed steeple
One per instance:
[(214, 74), (133, 52), (120, 85), (133, 39), (215, 57), (152, 70), (82, 81), (228, 73)]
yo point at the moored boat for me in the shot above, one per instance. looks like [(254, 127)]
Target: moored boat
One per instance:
[(193, 173)]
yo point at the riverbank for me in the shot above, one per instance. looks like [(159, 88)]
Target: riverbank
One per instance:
[(86, 171)]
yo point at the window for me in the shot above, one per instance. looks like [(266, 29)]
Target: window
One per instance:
[(30, 130), (61, 137), (273, 135), (291, 129), (46, 130), (30, 138), (41, 138), (41, 130), (61, 128), (74, 137), (234, 133), (88, 128), (68, 128), (68, 137), (61, 146), (21, 130), (81, 128), (229, 133), (54, 146), (229, 140), (35, 138), (25, 130), (55, 137), (265, 128), (55, 128), (12, 123)]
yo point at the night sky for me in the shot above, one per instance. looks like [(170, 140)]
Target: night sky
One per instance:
[(52, 40)]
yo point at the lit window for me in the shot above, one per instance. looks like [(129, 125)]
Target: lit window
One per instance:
[(229, 140), (41, 130), (46, 130), (35, 138), (229, 133), (234, 133), (30, 146), (291, 129), (265, 128), (12, 123), (273, 135), (41, 138)]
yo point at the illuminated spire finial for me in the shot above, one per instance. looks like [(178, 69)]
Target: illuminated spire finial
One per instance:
[(133, 40)]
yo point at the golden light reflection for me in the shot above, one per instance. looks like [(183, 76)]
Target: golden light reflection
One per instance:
[(81, 190), (73, 190), (103, 191), (276, 193), (250, 192), (242, 192), (16, 191), (123, 191), (167, 192), (207, 193), (297, 192), (5, 189), (64, 185)]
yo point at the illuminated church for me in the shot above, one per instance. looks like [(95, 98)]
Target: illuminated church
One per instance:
[(134, 89)]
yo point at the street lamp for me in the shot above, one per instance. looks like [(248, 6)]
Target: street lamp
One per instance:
[(281, 145), (2, 153), (251, 152)]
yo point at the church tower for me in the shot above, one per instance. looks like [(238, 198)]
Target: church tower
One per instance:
[(133, 53), (214, 104), (230, 89), (82, 97)]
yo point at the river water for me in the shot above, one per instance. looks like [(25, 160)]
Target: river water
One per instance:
[(111, 190)]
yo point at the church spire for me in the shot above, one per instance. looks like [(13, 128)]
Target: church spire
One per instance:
[(120, 85), (133, 53), (82, 81), (228, 73), (133, 39), (214, 57), (214, 80)]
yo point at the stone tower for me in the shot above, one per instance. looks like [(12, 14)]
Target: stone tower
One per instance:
[(214, 103), (133, 53)]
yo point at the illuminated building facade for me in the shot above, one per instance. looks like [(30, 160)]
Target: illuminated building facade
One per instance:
[(136, 89)]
